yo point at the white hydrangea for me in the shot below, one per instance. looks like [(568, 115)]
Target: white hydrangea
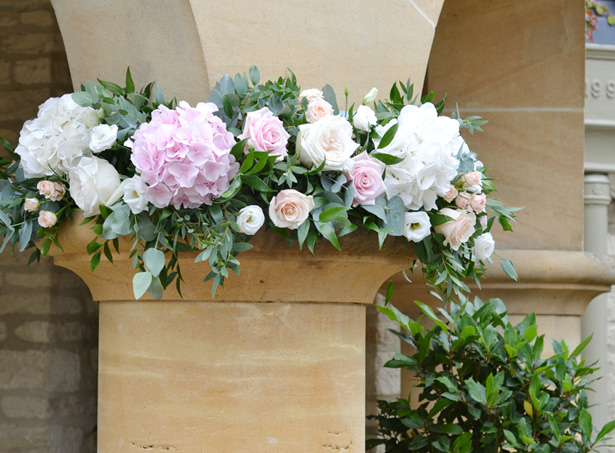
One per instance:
[(57, 138), (429, 144)]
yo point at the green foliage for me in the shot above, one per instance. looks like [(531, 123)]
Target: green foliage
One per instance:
[(483, 386)]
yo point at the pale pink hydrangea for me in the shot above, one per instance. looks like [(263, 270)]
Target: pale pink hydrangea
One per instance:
[(183, 156)]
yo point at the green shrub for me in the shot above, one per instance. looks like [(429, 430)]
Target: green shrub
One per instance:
[(484, 387)]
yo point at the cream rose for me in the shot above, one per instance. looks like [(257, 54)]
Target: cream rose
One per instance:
[(458, 230), (328, 140), (290, 208), (93, 182), (318, 109), (102, 137), (250, 219), (31, 204), (311, 94), (478, 202), (47, 219), (483, 247)]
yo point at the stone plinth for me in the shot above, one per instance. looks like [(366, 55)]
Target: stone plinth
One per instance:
[(275, 363)]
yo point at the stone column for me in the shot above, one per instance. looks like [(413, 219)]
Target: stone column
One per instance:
[(595, 320)]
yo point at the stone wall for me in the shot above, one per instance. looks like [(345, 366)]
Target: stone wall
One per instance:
[(610, 372), (48, 322)]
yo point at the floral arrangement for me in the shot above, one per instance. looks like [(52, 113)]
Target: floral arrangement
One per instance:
[(176, 178)]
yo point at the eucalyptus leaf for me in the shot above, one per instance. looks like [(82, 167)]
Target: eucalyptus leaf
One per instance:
[(140, 283), (154, 261)]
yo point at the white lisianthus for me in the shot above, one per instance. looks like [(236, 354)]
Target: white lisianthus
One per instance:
[(364, 118), (250, 219), (56, 139), (370, 96), (417, 226), (134, 191), (102, 137), (328, 140), (483, 247), (458, 230), (93, 182)]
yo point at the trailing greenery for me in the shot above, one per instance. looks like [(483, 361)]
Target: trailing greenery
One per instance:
[(485, 387)]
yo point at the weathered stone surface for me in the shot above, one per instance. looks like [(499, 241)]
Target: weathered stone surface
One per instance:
[(31, 407), (2, 331), (55, 370), (47, 332), (5, 74), (65, 439), (28, 44), (30, 280)]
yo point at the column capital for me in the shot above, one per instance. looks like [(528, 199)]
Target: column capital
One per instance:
[(597, 189)]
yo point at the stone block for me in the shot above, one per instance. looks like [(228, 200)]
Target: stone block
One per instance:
[(23, 438), (48, 332), (39, 18), (65, 439), (31, 72), (38, 304), (30, 279), (28, 44), (73, 406), (33, 407), (5, 73), (8, 18), (381, 380), (21, 105), (2, 331), (55, 370)]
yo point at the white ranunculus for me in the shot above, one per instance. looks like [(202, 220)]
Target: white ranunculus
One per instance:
[(458, 230), (102, 137), (134, 194), (364, 118), (93, 182), (483, 247), (250, 219), (56, 139), (328, 140), (417, 226)]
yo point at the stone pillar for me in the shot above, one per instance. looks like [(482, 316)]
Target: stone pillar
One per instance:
[(595, 320), (276, 362)]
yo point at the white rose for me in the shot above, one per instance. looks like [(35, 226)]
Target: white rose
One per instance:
[(93, 182), (458, 230), (328, 140), (483, 247), (290, 208), (134, 190), (417, 226), (102, 137), (250, 219), (365, 118)]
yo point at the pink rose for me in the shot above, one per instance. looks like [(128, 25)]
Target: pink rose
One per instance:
[(367, 180), (472, 179), (451, 194), (483, 221), (265, 132), (289, 209), (317, 109), (47, 219), (458, 230), (31, 204), (462, 200), (478, 202)]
